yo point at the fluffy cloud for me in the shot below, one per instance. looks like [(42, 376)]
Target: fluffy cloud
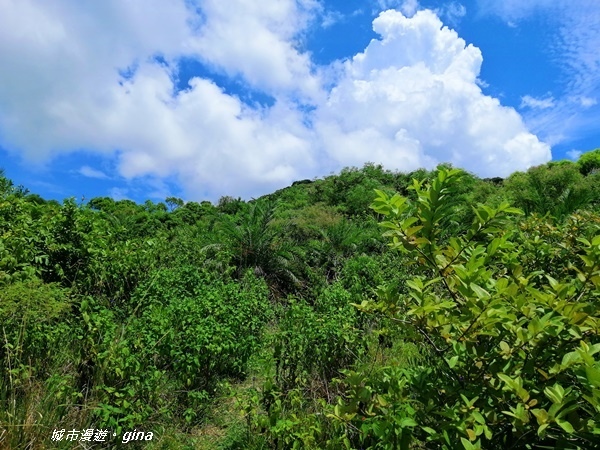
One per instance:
[(61, 63), (65, 90), (206, 137), (258, 40), (409, 100)]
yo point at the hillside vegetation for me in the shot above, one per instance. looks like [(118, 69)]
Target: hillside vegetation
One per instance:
[(366, 310)]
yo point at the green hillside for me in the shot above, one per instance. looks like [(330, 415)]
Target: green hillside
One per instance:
[(366, 310)]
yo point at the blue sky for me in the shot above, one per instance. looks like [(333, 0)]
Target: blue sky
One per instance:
[(203, 98)]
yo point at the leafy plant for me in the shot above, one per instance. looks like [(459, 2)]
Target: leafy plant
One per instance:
[(514, 362), (589, 162), (254, 243), (557, 190), (37, 383)]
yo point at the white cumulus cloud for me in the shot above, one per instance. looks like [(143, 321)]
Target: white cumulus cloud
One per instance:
[(410, 99), (258, 40)]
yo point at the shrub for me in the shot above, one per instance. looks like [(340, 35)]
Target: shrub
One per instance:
[(514, 351), (316, 342), (555, 189), (190, 329), (32, 319), (589, 162), (199, 326)]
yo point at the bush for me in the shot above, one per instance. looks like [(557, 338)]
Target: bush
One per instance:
[(316, 342), (189, 330), (514, 352), (589, 162), (32, 320), (558, 190), (201, 327), (38, 388)]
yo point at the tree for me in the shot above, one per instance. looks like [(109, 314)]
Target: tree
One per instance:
[(336, 243), (589, 162), (174, 203), (555, 189), (6, 185), (192, 212), (255, 244), (152, 207), (230, 205), (105, 204)]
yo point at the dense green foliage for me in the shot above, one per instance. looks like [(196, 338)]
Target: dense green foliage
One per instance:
[(514, 346), (368, 309)]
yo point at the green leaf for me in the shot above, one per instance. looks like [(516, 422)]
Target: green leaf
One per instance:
[(408, 222), (565, 425), (407, 422), (410, 231), (514, 211), (541, 415), (570, 359), (429, 430), (555, 393), (452, 361), (480, 292), (415, 284), (552, 281), (468, 446), (471, 434), (478, 417), (506, 379), (593, 376)]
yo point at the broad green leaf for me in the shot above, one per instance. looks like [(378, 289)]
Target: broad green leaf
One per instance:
[(413, 230), (429, 430), (407, 422), (480, 292), (555, 393), (478, 417), (469, 446), (452, 361), (565, 425), (541, 415), (593, 376)]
